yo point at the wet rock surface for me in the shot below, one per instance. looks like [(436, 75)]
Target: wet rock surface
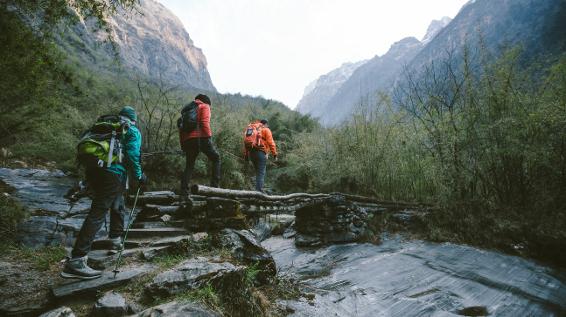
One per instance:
[(189, 275), (59, 312), (177, 309), (52, 221), (333, 220), (415, 278)]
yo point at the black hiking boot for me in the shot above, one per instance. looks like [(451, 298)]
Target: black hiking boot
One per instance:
[(77, 268)]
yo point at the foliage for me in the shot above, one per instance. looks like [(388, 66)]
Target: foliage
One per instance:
[(11, 214)]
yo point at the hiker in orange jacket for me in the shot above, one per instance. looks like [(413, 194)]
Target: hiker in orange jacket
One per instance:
[(199, 140), (259, 143)]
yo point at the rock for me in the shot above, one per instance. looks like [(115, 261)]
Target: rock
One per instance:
[(111, 304), (156, 232), (333, 220), (90, 287), (244, 247), (59, 312), (189, 275), (177, 309), (474, 311), (280, 222), (290, 232), (262, 230)]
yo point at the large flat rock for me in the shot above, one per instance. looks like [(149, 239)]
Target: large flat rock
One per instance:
[(90, 287), (188, 275), (177, 309), (156, 232)]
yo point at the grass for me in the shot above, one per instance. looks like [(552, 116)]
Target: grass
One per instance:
[(167, 261), (42, 259), (206, 295)]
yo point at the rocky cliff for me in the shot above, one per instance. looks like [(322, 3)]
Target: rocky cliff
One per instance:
[(318, 93), (363, 87), (152, 43), (485, 26)]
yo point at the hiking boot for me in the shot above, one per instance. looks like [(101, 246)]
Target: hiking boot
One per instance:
[(116, 245), (77, 268)]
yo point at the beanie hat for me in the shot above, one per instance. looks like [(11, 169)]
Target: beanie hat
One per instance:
[(129, 112), (203, 98), (263, 121)]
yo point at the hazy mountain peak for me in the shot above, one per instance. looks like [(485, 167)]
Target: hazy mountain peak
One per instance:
[(435, 27)]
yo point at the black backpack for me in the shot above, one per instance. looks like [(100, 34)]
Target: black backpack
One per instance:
[(188, 120)]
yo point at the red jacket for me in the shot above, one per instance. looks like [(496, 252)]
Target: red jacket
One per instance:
[(203, 118)]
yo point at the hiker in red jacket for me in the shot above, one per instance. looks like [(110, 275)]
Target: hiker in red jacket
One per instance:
[(258, 144), (199, 140)]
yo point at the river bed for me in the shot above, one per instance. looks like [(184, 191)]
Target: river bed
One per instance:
[(417, 278)]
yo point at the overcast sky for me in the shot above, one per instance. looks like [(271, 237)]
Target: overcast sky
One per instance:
[(275, 48)]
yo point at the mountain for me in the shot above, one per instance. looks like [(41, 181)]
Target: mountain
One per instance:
[(535, 26), (377, 74), (484, 26), (151, 43), (318, 93), (335, 102), (435, 27)]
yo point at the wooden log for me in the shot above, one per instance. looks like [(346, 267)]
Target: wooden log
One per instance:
[(247, 194), (156, 198), (382, 203)]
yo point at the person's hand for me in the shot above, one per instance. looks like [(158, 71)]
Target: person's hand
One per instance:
[(275, 157), (143, 179)]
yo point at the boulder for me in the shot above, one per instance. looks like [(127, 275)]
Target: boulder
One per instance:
[(111, 304), (244, 246), (177, 309), (262, 230), (188, 275), (59, 312)]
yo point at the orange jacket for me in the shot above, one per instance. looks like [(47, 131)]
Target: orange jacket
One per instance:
[(203, 118), (267, 145)]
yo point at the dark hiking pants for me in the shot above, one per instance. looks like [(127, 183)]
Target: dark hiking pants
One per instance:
[(259, 160), (108, 189), (192, 147)]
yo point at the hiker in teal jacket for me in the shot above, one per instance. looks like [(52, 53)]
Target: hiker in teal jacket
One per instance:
[(108, 185)]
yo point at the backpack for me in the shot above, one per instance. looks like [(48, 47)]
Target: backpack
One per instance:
[(100, 145), (189, 118), (252, 136)]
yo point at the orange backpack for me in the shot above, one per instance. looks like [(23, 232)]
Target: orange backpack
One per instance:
[(252, 136)]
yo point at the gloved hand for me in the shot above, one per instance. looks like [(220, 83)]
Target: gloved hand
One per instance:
[(143, 179)]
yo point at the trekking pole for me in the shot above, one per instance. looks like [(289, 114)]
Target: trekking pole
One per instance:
[(130, 220)]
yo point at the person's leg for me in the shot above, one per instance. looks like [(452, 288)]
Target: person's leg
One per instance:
[(117, 217), (259, 160), (191, 149), (107, 187), (210, 151)]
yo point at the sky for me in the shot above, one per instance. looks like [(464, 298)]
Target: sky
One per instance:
[(275, 48)]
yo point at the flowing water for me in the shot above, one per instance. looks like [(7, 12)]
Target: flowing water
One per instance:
[(416, 278)]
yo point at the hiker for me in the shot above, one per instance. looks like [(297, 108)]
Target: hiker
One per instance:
[(258, 143), (195, 136), (107, 181)]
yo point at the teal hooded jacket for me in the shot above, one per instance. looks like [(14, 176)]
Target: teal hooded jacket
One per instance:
[(131, 143)]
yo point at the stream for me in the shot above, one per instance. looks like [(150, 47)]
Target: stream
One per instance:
[(395, 278), (417, 278)]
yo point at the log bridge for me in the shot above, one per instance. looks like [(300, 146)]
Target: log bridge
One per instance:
[(212, 208)]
